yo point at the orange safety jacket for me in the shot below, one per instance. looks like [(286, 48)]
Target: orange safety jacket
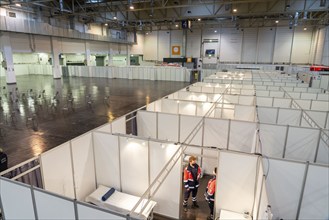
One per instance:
[(190, 181), (211, 188)]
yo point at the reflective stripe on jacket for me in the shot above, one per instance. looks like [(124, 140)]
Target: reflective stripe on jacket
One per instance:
[(211, 188), (191, 181)]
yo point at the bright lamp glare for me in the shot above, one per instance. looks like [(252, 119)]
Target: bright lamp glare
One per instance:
[(131, 7)]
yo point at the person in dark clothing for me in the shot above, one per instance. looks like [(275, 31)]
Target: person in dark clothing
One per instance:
[(3, 161), (192, 175), (210, 194)]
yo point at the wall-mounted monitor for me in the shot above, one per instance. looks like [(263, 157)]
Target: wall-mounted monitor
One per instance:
[(210, 53)]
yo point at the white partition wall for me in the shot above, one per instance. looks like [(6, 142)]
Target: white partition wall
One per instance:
[(287, 177), (242, 136), (16, 200), (168, 203), (147, 124), (90, 212), (168, 127), (272, 139), (134, 165), (187, 124), (56, 168), (315, 203), (302, 143), (236, 179), (216, 132), (50, 207), (107, 161), (83, 165)]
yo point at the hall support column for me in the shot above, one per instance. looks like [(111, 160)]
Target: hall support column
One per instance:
[(7, 54), (110, 55), (55, 49), (128, 55), (87, 54)]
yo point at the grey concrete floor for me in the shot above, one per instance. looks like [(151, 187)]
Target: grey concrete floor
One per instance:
[(36, 122)]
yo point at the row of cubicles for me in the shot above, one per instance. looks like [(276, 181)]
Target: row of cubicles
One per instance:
[(268, 169)]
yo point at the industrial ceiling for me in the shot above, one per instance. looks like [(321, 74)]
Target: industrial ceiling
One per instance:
[(145, 15)]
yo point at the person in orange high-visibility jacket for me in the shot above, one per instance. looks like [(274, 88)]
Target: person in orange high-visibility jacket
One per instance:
[(192, 175), (210, 194)]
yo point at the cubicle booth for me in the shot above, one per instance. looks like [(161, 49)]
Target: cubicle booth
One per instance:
[(132, 72), (265, 171)]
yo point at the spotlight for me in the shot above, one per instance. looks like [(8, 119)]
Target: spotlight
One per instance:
[(235, 10), (18, 5), (215, 31), (131, 7), (115, 18), (199, 19), (106, 24), (276, 21), (176, 25), (305, 29)]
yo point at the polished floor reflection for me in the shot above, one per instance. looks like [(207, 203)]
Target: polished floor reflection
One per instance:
[(40, 113)]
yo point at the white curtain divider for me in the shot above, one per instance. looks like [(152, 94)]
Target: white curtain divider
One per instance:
[(302, 143), (147, 124), (272, 139), (134, 165), (187, 124), (289, 117), (16, 200), (87, 213), (83, 165), (315, 203), (262, 211), (50, 207), (241, 137), (236, 179), (58, 178), (168, 204), (107, 160), (287, 177), (259, 183), (168, 127)]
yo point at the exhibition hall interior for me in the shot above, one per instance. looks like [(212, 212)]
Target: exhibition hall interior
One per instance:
[(164, 109)]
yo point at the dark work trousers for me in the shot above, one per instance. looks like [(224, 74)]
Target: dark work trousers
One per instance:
[(187, 195), (211, 207)]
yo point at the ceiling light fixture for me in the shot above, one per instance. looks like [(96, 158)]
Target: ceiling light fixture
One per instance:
[(106, 24), (18, 5), (215, 31), (176, 25), (199, 19), (305, 29), (115, 18), (131, 7), (276, 21), (235, 10)]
